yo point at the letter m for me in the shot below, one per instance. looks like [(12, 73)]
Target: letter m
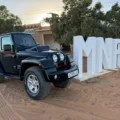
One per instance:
[(88, 49)]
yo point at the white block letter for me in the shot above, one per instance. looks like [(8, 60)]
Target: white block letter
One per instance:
[(87, 48)]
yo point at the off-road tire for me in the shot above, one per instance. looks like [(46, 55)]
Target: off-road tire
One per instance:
[(44, 86), (63, 84)]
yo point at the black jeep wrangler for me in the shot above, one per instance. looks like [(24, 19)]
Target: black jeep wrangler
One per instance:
[(38, 66)]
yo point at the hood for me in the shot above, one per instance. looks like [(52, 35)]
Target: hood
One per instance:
[(43, 51), (40, 53), (32, 54)]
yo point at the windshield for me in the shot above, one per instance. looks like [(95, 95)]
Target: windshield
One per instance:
[(24, 41)]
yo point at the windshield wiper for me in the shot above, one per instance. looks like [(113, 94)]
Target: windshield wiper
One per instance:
[(31, 48)]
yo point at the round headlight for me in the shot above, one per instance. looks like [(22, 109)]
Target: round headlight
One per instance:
[(55, 58), (62, 57)]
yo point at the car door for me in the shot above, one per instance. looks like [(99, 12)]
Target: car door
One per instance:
[(8, 58)]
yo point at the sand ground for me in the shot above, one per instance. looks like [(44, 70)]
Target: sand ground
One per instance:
[(97, 99)]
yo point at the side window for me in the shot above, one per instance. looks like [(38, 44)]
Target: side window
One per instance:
[(6, 41)]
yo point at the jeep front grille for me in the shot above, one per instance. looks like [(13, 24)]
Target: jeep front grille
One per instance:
[(62, 66)]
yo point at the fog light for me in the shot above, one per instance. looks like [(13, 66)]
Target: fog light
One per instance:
[(55, 77)]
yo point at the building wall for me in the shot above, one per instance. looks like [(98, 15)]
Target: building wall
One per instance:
[(38, 37), (48, 40), (43, 36)]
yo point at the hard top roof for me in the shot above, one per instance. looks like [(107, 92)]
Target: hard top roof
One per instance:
[(13, 33)]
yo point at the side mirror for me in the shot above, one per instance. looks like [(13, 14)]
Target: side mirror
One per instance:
[(7, 48)]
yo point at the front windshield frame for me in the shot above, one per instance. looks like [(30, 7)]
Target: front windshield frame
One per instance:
[(23, 47)]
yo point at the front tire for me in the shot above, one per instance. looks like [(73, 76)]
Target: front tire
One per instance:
[(35, 84)]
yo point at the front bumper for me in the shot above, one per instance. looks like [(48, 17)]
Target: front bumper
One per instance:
[(63, 75)]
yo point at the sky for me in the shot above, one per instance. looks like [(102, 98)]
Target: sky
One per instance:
[(33, 11)]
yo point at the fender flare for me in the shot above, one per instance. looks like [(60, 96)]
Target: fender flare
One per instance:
[(27, 63)]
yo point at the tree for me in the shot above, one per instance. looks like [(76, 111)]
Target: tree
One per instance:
[(9, 22), (81, 18), (113, 22), (67, 25)]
